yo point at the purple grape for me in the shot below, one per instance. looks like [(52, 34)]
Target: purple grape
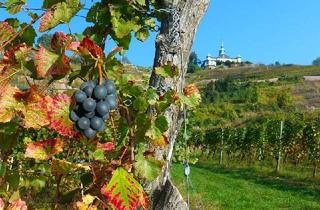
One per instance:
[(100, 92), (80, 96), (89, 105), (110, 86), (88, 90), (90, 114), (96, 123), (102, 108), (103, 126), (83, 123), (112, 101), (89, 133)]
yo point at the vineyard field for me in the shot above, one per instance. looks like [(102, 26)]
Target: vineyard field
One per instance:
[(246, 188)]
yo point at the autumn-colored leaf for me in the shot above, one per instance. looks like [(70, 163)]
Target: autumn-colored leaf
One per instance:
[(62, 167), (106, 147), (168, 70), (86, 203), (58, 40), (6, 31), (34, 111), (50, 63), (8, 104), (18, 205), (59, 13), (156, 137), (73, 46), (124, 192), (58, 114), (88, 47), (1, 204), (190, 90), (44, 150)]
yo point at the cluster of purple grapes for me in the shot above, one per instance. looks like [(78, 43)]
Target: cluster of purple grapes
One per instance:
[(93, 104)]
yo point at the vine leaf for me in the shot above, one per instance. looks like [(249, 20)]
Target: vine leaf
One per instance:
[(1, 204), (156, 137), (168, 70), (50, 63), (14, 6), (124, 192), (88, 47), (122, 27), (33, 110), (61, 12), (6, 31), (8, 104), (44, 150), (86, 203), (191, 96), (62, 167), (58, 115), (17, 205), (106, 147), (147, 167)]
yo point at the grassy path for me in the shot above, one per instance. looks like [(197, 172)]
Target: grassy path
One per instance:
[(237, 189)]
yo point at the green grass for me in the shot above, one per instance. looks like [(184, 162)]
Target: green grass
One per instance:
[(217, 187)]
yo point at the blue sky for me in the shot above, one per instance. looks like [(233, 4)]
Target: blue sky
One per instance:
[(262, 31)]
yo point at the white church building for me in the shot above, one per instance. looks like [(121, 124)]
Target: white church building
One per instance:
[(211, 62)]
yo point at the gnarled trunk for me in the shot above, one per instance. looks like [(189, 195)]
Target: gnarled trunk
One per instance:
[(173, 45)]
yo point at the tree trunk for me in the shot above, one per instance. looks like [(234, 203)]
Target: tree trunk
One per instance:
[(173, 45)]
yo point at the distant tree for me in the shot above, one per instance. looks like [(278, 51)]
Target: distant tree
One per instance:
[(277, 63), (45, 41), (316, 62), (194, 62)]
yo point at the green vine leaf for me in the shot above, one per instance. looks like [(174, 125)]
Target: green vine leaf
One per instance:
[(14, 6), (44, 150), (147, 167), (61, 12), (124, 192), (122, 27), (168, 70)]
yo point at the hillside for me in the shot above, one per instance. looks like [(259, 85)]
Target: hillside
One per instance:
[(253, 73)]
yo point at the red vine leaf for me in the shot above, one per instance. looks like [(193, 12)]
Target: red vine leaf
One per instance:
[(73, 46), (88, 47), (6, 31), (124, 192), (50, 63), (18, 205), (1, 204), (106, 147), (58, 40), (58, 114), (44, 150)]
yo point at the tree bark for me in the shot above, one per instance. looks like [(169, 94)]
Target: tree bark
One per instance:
[(173, 45)]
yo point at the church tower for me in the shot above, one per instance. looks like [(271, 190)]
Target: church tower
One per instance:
[(222, 51)]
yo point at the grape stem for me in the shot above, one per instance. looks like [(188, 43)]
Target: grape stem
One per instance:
[(100, 73)]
